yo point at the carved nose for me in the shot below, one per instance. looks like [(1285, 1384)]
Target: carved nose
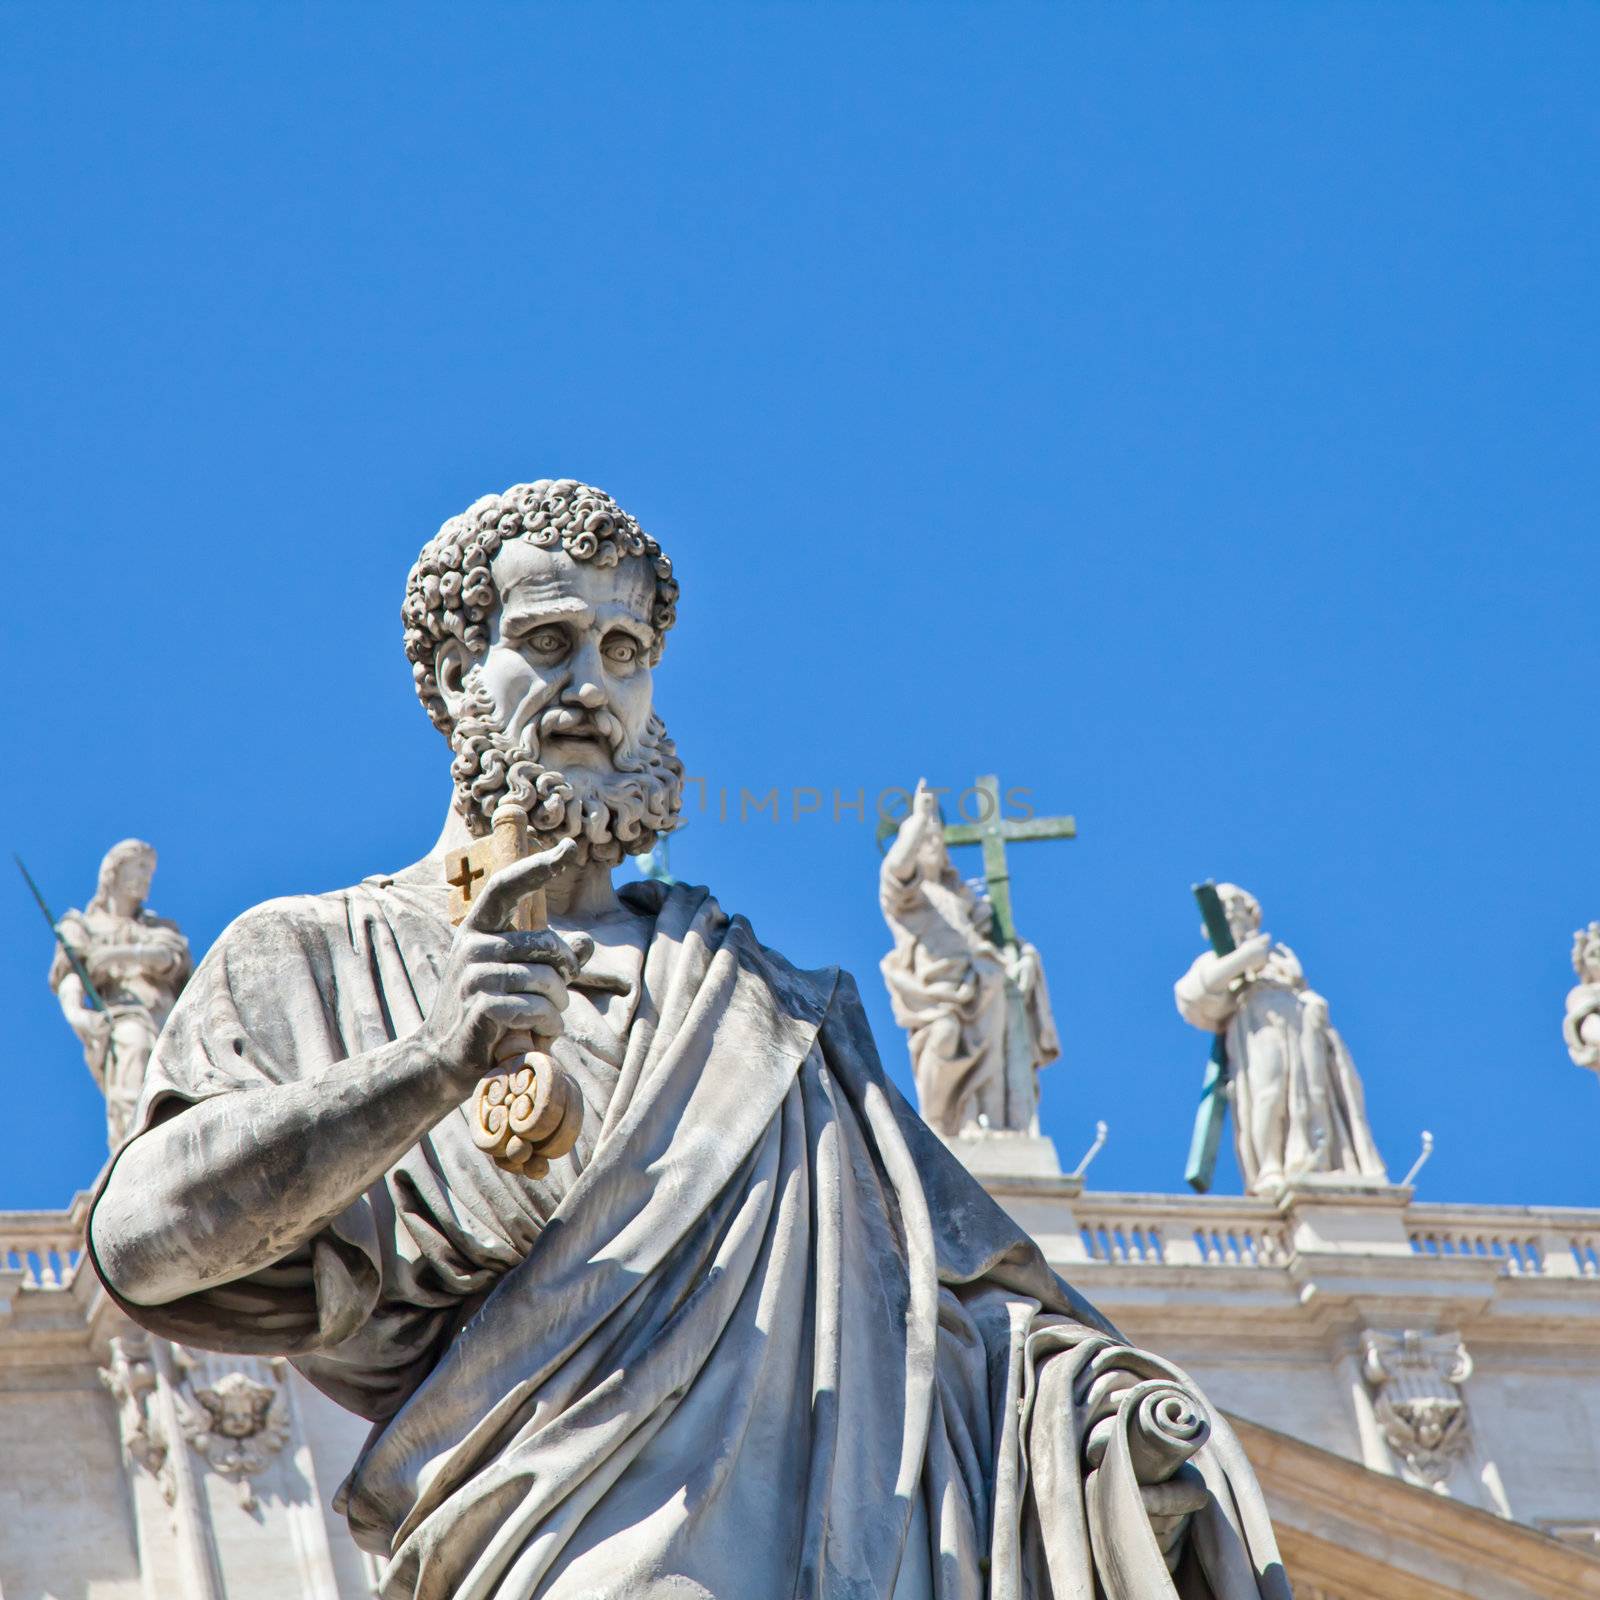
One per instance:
[(588, 695)]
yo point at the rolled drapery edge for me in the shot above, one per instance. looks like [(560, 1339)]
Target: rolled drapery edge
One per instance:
[(1121, 1386), (1166, 1427), (1079, 1408), (1129, 1558), (1156, 1428)]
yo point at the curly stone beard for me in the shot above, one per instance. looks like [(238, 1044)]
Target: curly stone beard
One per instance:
[(610, 814)]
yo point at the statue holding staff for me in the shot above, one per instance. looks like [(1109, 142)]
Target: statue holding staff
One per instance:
[(118, 970)]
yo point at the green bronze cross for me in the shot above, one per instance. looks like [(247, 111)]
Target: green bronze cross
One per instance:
[(1201, 1167), (994, 833)]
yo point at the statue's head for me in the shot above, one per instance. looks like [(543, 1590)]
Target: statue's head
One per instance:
[(533, 621), (1242, 910), (125, 875), (982, 907), (1586, 953)]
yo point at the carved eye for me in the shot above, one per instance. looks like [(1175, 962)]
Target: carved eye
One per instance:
[(620, 650), (547, 641)]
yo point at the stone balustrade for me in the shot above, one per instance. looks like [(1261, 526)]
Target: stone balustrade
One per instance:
[(1143, 1230), (1240, 1231), (45, 1247), (1528, 1241), (1180, 1230)]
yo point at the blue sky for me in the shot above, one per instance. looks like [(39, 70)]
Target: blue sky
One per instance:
[(1187, 412)]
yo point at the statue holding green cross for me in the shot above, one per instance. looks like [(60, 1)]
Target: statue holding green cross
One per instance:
[(1298, 1107), (968, 990)]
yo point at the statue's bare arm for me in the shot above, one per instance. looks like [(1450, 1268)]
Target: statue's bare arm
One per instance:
[(84, 1019), (1218, 972), (900, 863), (1583, 1014), (231, 1184), (1204, 993)]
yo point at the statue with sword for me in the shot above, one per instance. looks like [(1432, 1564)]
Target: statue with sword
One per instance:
[(118, 969)]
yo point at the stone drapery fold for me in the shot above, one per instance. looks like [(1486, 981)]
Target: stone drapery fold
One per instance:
[(760, 1336)]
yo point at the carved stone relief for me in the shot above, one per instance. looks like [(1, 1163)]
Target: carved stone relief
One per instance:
[(132, 1381), (1416, 1380), (235, 1414)]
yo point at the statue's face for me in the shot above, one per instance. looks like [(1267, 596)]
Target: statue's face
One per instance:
[(133, 877), (569, 651), (1242, 913), (554, 714), (237, 1406)]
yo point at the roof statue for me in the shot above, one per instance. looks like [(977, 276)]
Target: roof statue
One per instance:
[(117, 971), (1298, 1107), (974, 1005), (1581, 1025), (693, 1303)]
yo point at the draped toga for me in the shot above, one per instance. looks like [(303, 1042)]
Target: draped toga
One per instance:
[(759, 1336)]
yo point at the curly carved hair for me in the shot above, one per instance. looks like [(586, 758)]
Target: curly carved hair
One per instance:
[(450, 593)]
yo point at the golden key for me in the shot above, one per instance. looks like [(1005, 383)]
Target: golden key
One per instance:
[(530, 1112)]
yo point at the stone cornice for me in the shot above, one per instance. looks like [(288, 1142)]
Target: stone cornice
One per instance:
[(1364, 1536)]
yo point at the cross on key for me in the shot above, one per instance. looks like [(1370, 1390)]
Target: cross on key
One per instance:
[(465, 870), (994, 833), (466, 878)]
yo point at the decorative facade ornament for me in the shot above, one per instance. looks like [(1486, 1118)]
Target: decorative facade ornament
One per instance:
[(132, 1382), (1581, 1028), (136, 964), (1298, 1105), (1416, 1378), (236, 1419), (976, 1013)]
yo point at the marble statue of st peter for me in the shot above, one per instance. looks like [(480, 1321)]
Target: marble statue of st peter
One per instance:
[(757, 1335)]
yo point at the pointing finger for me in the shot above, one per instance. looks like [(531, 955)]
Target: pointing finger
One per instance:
[(496, 906)]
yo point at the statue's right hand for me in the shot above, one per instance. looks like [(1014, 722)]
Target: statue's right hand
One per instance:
[(922, 815), (498, 981), (1217, 973), (89, 1023)]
